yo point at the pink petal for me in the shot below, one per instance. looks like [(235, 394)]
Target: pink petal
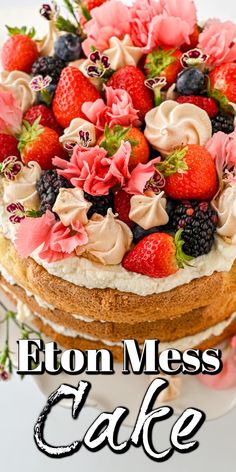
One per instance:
[(140, 176), (33, 232)]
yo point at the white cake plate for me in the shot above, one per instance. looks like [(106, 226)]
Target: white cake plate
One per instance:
[(110, 391)]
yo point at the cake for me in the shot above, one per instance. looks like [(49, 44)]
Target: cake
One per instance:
[(118, 176)]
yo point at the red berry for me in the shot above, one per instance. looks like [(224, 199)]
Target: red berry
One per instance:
[(154, 256), (73, 90), (47, 117), (198, 181), (122, 206), (131, 79), (207, 104), (40, 144), (19, 52), (223, 79), (8, 146)]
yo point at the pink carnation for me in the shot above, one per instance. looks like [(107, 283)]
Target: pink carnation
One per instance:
[(94, 172), (57, 241), (110, 19), (222, 147), (140, 176), (166, 24), (118, 110), (10, 114), (217, 40)]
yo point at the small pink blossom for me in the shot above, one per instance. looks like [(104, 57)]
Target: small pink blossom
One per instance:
[(118, 110), (94, 172), (10, 114), (222, 147), (57, 241), (110, 19), (227, 377), (140, 175), (167, 23), (217, 40)]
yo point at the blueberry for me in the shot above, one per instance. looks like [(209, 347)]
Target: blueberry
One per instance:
[(190, 82), (140, 233), (68, 47)]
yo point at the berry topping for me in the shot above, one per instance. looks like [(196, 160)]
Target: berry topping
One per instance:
[(8, 146), (223, 80), (190, 173), (190, 82), (19, 53), (49, 66), (207, 104), (73, 90), (100, 205), (48, 188), (68, 47), (157, 255), (139, 233), (40, 144), (223, 123), (198, 221), (122, 206), (46, 117)]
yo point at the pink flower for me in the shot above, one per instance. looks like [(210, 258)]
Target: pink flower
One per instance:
[(140, 175), (10, 114), (166, 24), (222, 147), (57, 241), (94, 172), (217, 40), (227, 377), (110, 19), (118, 110)]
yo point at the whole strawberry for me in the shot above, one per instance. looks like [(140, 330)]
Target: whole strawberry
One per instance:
[(19, 52), (40, 144), (157, 255), (8, 146), (73, 90), (223, 81), (46, 115), (190, 174), (163, 62), (207, 104), (122, 206), (131, 79)]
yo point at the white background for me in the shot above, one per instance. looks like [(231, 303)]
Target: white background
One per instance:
[(21, 402)]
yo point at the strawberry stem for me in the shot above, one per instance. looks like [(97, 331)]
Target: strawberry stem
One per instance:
[(29, 133), (174, 163), (181, 258)]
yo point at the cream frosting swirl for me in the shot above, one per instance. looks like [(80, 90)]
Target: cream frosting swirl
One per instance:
[(71, 134), (149, 211), (226, 209), (71, 206), (23, 188), (122, 52), (18, 83), (109, 239), (171, 125)]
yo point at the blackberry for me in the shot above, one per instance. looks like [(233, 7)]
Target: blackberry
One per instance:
[(48, 188), (223, 123), (100, 204), (68, 47), (47, 65), (198, 221)]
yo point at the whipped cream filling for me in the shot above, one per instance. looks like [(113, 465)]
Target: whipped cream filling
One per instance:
[(86, 273), (180, 344)]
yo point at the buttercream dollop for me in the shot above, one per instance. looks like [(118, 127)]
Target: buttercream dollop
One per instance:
[(122, 52), (226, 209), (71, 134), (149, 211), (18, 83), (23, 188), (108, 239), (171, 125), (71, 206)]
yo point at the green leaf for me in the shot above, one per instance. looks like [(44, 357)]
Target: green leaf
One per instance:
[(158, 60), (34, 213), (29, 133), (23, 30), (65, 25)]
